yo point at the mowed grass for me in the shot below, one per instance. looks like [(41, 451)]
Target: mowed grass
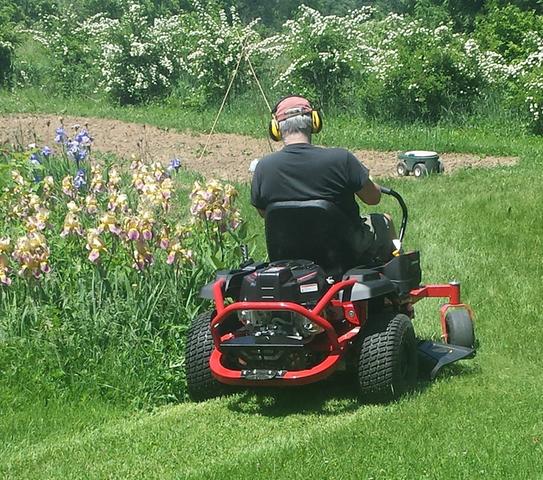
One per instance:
[(480, 419), (473, 424)]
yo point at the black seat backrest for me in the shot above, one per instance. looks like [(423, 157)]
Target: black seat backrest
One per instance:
[(314, 230)]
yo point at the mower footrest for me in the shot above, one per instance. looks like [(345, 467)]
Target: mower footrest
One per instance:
[(440, 354)]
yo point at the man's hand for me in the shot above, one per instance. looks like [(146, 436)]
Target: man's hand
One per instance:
[(370, 193)]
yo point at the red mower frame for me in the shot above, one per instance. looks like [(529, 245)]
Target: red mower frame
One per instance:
[(354, 312)]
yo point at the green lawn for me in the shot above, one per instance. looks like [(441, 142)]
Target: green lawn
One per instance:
[(480, 419)]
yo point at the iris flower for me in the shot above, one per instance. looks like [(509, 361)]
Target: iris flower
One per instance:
[(91, 204), (61, 136), (142, 256), (48, 184), (95, 244), (4, 261), (35, 160), (71, 226), (38, 221), (32, 253), (68, 186), (97, 182), (76, 151), (176, 253), (83, 138), (114, 179), (79, 179), (109, 222), (174, 165)]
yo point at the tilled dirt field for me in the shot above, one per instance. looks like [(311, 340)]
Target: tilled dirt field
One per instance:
[(227, 155)]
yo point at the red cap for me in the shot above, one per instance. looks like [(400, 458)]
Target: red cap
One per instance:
[(292, 107)]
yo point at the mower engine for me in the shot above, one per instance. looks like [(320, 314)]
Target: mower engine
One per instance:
[(282, 323), (272, 338), (298, 281)]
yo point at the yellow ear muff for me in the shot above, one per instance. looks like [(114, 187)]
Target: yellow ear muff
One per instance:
[(273, 130), (316, 120)]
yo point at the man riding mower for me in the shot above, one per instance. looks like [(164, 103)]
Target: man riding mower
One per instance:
[(329, 298)]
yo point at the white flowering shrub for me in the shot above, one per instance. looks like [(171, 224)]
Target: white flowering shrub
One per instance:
[(214, 42), (419, 72), (135, 58), (509, 31), (139, 58), (534, 101), (519, 82), (317, 54), (73, 47), (395, 67), (528, 85)]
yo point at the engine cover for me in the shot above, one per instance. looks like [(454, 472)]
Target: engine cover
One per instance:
[(298, 281)]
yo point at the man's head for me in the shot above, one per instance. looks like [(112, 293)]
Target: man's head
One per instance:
[(294, 115)]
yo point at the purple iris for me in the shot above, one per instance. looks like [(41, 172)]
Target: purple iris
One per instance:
[(175, 164), (35, 160), (76, 151), (79, 179), (83, 137), (46, 151), (60, 135)]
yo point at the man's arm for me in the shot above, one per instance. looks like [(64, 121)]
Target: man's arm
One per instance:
[(370, 193), (255, 191)]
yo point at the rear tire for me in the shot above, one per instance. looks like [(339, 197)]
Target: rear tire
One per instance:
[(460, 329), (420, 170), (388, 359), (401, 169), (201, 384)]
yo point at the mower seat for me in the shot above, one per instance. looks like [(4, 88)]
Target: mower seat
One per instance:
[(315, 230)]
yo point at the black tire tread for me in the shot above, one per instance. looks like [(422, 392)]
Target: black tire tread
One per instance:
[(379, 358), (401, 169), (201, 385)]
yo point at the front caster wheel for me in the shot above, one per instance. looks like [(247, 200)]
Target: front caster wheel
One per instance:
[(460, 329)]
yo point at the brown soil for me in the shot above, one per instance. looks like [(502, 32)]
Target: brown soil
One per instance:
[(227, 156)]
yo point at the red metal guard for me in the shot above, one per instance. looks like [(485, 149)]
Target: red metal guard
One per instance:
[(298, 377), (337, 345)]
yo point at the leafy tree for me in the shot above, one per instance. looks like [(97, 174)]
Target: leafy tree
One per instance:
[(509, 31), (8, 40)]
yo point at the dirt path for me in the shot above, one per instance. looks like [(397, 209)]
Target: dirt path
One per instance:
[(228, 155)]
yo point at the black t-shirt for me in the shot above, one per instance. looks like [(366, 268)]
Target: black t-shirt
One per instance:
[(302, 171)]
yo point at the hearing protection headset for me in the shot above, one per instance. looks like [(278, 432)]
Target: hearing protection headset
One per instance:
[(316, 119)]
